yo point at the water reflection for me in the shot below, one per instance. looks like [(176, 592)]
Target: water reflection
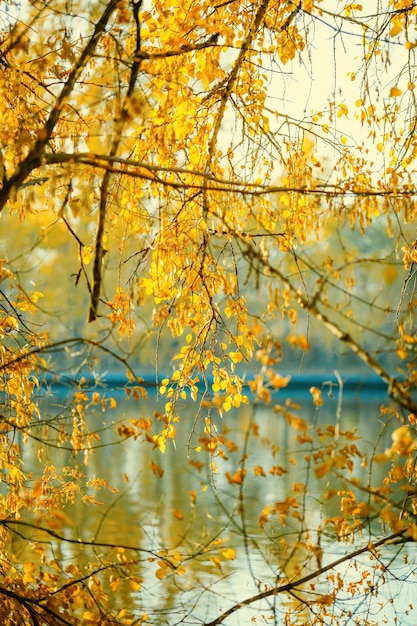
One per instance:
[(166, 506)]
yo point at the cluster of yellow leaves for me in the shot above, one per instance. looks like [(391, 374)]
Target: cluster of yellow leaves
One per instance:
[(402, 12), (293, 420), (410, 254), (135, 428), (121, 312), (217, 445), (170, 563), (171, 386), (57, 488), (228, 554), (406, 343), (284, 509), (404, 444), (229, 384), (23, 303), (166, 433), (66, 589), (335, 452)]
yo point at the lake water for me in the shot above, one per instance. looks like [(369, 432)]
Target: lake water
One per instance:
[(200, 516)]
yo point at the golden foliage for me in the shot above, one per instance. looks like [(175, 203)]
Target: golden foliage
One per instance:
[(162, 178)]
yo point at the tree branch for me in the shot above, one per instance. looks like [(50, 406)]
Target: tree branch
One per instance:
[(131, 167), (119, 124), (287, 587), (36, 155)]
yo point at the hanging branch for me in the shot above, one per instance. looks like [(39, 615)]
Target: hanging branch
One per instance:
[(120, 122), (288, 587)]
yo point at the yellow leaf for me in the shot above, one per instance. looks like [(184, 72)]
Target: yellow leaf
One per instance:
[(329, 493), (307, 145), (279, 382), (317, 397), (397, 27), (325, 599), (322, 470), (8, 324), (160, 573), (135, 583), (343, 110), (237, 477), (236, 357), (28, 570), (403, 441), (229, 553), (86, 254), (13, 472), (381, 458), (216, 562), (394, 92), (13, 387), (402, 353), (156, 468), (72, 569), (96, 144), (160, 442), (89, 616), (296, 422), (264, 516), (298, 487)]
